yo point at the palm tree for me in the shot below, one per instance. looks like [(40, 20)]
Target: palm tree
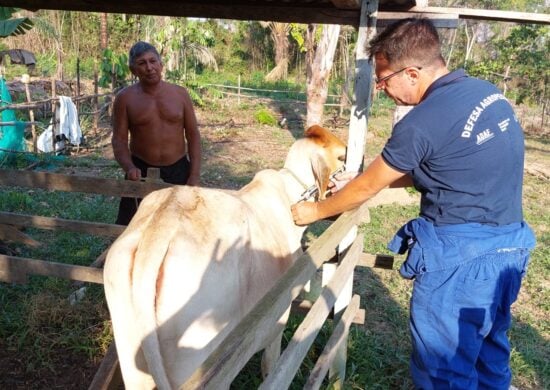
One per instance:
[(15, 26), (279, 35)]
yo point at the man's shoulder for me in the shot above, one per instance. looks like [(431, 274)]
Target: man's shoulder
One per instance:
[(175, 91), (127, 91), (174, 87)]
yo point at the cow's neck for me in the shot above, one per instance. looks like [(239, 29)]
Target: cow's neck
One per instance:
[(297, 171)]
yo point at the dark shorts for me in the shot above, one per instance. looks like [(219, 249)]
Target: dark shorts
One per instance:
[(177, 173)]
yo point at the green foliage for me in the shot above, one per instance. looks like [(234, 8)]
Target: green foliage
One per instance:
[(15, 26), (114, 67), (297, 32), (264, 117), (523, 56)]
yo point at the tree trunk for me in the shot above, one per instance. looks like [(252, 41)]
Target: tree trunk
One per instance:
[(469, 43), (317, 83), (104, 37), (279, 35)]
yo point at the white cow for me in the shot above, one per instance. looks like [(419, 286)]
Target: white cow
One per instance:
[(194, 261)]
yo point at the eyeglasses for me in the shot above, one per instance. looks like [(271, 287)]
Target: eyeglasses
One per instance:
[(383, 79)]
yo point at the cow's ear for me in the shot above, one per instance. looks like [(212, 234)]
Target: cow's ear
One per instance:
[(317, 134), (322, 172), (323, 137)]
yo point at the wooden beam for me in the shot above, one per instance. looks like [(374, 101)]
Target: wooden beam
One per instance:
[(283, 11), (12, 268), (485, 14), (108, 376), (94, 228), (376, 261), (338, 337), (89, 184), (347, 4), (10, 233), (440, 20), (301, 307)]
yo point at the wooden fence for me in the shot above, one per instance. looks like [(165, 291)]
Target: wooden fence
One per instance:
[(51, 105), (226, 361)]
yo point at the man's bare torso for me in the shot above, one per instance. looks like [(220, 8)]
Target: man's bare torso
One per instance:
[(156, 123)]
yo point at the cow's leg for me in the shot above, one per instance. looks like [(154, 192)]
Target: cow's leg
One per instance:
[(273, 349), (271, 354)]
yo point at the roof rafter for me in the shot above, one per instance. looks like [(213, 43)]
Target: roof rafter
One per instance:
[(344, 12)]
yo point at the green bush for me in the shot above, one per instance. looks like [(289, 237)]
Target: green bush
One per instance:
[(264, 117)]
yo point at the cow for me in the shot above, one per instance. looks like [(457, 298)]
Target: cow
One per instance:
[(194, 261)]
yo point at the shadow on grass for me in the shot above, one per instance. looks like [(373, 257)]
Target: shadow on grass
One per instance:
[(530, 356), (378, 351)]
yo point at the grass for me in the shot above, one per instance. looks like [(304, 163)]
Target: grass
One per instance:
[(45, 342)]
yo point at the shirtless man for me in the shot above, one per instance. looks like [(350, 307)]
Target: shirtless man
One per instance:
[(161, 121)]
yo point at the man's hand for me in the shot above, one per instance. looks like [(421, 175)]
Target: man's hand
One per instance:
[(339, 181), (304, 213), (193, 181), (134, 174)]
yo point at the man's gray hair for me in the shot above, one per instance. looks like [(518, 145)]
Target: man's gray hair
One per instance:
[(140, 48)]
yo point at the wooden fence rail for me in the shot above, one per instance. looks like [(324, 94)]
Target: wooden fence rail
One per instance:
[(227, 360), (71, 183)]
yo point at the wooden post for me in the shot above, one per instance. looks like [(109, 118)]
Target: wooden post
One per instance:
[(77, 84), (239, 90), (26, 79), (95, 100), (54, 107), (354, 158)]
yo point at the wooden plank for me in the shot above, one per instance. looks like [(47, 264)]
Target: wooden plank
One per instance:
[(94, 228), (357, 128), (10, 233), (72, 183), (10, 265), (97, 263), (242, 342), (296, 12), (346, 4), (302, 307), (108, 376), (338, 337), (440, 20), (376, 261), (290, 360), (485, 14), (11, 273)]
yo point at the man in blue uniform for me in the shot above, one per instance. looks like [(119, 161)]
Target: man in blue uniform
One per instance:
[(462, 148)]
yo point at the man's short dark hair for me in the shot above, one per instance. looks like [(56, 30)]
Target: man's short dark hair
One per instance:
[(408, 42), (140, 48)]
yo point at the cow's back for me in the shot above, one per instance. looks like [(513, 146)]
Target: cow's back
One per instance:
[(207, 257)]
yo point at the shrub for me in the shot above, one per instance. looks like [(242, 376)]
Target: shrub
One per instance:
[(264, 117)]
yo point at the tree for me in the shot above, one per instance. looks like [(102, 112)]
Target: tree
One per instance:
[(181, 40), (103, 34), (319, 67), (12, 27), (279, 35)]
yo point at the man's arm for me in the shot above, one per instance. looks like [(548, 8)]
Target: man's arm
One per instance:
[(193, 138), (377, 176), (119, 140)]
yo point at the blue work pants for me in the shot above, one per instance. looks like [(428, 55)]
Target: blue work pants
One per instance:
[(459, 320)]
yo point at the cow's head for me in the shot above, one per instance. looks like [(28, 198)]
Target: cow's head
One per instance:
[(328, 156)]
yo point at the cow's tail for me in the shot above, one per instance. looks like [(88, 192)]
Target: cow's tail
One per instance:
[(149, 259)]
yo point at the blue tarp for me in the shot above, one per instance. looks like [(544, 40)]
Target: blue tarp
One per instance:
[(11, 137)]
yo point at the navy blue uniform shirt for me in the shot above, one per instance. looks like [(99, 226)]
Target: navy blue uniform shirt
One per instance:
[(463, 147)]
